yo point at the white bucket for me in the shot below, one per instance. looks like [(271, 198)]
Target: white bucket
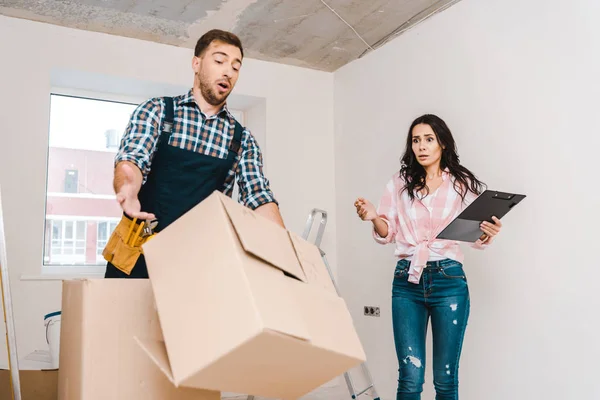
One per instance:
[(52, 323)]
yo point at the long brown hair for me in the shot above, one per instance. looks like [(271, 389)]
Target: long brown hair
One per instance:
[(414, 174)]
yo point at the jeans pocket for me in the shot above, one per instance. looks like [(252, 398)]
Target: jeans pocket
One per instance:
[(453, 272), (400, 273)]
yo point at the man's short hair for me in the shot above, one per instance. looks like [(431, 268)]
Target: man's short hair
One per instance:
[(218, 36)]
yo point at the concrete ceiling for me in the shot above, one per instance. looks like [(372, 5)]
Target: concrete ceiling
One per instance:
[(318, 34)]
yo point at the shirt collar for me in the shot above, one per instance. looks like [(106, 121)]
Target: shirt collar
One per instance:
[(188, 99), (445, 173)]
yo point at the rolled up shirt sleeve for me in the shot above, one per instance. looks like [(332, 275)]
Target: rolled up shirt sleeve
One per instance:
[(140, 137), (254, 187)]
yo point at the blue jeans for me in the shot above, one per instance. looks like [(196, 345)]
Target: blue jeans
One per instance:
[(443, 295)]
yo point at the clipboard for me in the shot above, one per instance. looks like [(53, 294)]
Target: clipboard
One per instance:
[(466, 227)]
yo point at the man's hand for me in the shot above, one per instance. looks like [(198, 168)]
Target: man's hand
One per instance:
[(127, 184)]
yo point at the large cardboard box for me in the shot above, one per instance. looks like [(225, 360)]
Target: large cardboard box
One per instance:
[(99, 357), (245, 306)]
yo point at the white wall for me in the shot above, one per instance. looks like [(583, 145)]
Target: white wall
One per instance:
[(517, 82), (38, 56)]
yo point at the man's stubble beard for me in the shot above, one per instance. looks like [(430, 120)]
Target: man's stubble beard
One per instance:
[(208, 93)]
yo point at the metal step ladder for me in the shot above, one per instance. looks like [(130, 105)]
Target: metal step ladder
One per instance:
[(365, 369), (11, 341)]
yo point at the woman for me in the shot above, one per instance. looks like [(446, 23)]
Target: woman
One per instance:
[(420, 200)]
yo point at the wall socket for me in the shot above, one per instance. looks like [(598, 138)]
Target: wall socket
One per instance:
[(371, 311)]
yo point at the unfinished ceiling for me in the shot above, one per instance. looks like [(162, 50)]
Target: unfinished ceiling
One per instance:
[(318, 34)]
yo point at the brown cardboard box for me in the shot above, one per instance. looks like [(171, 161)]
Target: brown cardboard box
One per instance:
[(245, 306), (99, 358), (35, 385)]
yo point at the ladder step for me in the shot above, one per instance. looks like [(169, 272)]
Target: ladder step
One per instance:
[(317, 243), (364, 391)]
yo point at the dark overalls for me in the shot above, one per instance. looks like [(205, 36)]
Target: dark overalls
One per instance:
[(178, 180)]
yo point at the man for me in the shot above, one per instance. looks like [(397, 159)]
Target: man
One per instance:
[(162, 170)]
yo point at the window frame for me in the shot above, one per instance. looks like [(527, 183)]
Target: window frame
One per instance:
[(77, 270), (80, 271)]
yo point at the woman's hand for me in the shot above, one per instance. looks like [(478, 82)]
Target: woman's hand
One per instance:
[(365, 209), (490, 230), (367, 212)]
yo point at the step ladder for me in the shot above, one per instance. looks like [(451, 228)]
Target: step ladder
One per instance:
[(11, 342), (365, 369)]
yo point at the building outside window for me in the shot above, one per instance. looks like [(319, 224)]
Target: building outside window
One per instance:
[(105, 228), (81, 210), (68, 240)]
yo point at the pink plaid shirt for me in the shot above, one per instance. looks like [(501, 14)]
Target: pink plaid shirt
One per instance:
[(413, 226)]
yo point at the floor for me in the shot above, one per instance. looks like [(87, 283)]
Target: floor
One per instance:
[(334, 390)]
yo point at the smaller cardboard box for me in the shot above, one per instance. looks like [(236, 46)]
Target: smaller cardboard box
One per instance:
[(99, 357), (35, 384), (245, 306)]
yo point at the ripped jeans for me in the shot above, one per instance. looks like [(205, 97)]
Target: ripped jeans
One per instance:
[(442, 295)]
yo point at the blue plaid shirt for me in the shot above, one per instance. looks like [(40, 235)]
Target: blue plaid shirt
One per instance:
[(194, 131)]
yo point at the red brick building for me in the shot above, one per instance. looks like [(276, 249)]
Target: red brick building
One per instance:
[(81, 210)]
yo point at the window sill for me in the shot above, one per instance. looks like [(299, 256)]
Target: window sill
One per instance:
[(56, 273), (61, 277)]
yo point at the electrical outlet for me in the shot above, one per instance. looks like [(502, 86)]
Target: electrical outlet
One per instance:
[(371, 311)]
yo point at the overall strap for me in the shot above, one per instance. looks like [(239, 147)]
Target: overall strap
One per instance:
[(167, 125), (236, 142)]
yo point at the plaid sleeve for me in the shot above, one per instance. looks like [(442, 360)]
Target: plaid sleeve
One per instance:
[(140, 137), (254, 189)]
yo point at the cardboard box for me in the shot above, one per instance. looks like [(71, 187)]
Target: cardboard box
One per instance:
[(99, 357), (35, 385), (245, 306)]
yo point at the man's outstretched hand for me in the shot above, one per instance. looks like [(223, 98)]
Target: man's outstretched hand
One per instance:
[(128, 183)]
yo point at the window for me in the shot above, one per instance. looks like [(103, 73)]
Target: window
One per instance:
[(68, 241), (105, 229), (71, 181), (81, 210)]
